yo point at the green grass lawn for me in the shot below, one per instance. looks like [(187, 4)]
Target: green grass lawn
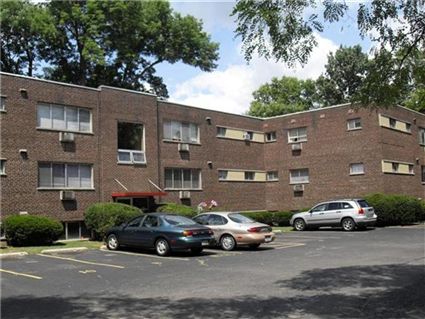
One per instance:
[(282, 229), (59, 244)]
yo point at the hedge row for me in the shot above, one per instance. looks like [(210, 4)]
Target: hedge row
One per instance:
[(102, 216), (178, 209), (271, 218), (396, 209), (31, 230)]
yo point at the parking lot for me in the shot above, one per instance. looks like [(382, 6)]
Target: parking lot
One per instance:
[(377, 273)]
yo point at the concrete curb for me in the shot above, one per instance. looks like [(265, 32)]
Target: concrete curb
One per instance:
[(13, 255), (64, 250)]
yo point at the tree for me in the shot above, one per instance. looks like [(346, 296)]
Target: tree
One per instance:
[(116, 43), (282, 96), (345, 71), (284, 29), (23, 26)]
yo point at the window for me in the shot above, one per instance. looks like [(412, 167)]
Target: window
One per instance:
[(222, 175), (248, 135), (297, 135), (2, 167), (356, 168), (53, 175), (354, 124), (182, 178), (249, 176), (346, 206), (270, 136), (394, 167), (319, 208), (423, 173), (408, 127), (183, 132), (422, 136), (216, 220), (334, 206), (131, 143), (2, 104), (63, 118), (135, 222), (151, 221), (298, 176), (221, 131), (411, 169), (272, 176), (393, 122)]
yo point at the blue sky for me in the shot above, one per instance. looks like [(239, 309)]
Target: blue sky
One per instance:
[(229, 87)]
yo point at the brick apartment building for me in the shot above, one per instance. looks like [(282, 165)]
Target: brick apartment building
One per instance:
[(64, 147)]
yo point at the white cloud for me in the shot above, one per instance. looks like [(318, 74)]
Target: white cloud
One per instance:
[(230, 90)]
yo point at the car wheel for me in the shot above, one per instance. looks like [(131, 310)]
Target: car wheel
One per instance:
[(196, 250), (162, 247), (227, 242), (254, 246), (112, 242), (348, 224), (299, 224)]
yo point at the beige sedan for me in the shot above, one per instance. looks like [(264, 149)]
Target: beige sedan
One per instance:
[(233, 229)]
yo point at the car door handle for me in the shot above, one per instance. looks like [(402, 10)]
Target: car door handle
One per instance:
[(338, 211), (321, 213)]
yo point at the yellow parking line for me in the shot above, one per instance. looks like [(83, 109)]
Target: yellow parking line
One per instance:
[(20, 274), (143, 255), (82, 261)]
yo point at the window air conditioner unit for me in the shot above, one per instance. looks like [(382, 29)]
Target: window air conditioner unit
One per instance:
[(184, 194), (246, 136), (66, 137), (297, 147), (183, 147), (67, 195), (298, 188)]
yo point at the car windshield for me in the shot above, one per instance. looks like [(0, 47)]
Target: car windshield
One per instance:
[(363, 203), (178, 220), (241, 219)]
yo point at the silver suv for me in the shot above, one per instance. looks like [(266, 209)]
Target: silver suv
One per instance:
[(347, 213)]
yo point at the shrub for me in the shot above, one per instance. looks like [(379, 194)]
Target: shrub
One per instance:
[(30, 230), (178, 209), (271, 218), (100, 217), (396, 209)]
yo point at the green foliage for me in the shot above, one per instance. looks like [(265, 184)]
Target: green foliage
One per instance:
[(287, 30), (30, 230), (271, 218), (396, 209), (282, 96), (178, 209), (100, 217), (91, 42), (343, 77)]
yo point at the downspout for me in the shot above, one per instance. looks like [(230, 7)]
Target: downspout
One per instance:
[(158, 145)]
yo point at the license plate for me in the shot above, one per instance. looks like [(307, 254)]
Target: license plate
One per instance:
[(205, 243), (268, 239)]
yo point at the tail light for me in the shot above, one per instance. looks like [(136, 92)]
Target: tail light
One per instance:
[(187, 233), (254, 229), (361, 211)]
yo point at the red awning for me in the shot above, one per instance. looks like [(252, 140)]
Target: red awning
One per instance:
[(138, 194)]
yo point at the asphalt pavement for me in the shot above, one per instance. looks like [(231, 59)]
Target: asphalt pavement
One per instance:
[(378, 273)]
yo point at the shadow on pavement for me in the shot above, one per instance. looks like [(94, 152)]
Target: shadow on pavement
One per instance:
[(389, 291)]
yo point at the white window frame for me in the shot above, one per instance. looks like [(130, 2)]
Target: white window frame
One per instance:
[(2, 167), (297, 138), (355, 121), (51, 105), (221, 131), (65, 176), (272, 176), (249, 176), (299, 179), (271, 137), (222, 175), (191, 139), (192, 170), (3, 104), (421, 136), (133, 153), (353, 172)]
